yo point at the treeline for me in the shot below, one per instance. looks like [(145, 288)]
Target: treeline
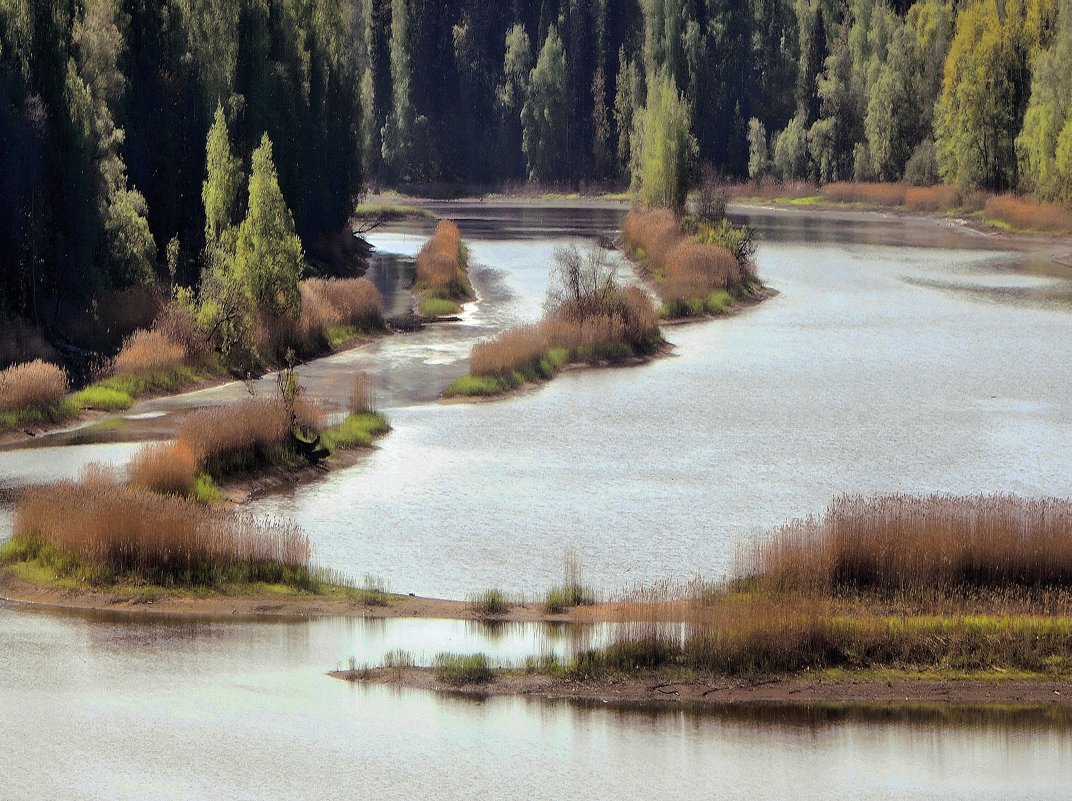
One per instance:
[(106, 108)]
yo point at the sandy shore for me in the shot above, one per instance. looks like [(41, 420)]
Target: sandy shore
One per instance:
[(714, 690)]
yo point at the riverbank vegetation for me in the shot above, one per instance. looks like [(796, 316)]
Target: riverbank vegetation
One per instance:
[(100, 532), (909, 584), (698, 273), (589, 319), (1005, 211), (34, 393), (442, 282)]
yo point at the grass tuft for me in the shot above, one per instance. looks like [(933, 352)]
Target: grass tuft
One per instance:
[(490, 603), (463, 669)]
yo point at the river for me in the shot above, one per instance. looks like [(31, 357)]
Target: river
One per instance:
[(899, 356)]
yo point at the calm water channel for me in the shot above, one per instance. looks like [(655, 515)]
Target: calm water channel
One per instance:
[(900, 356)]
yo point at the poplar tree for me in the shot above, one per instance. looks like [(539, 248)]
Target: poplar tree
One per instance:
[(268, 254)]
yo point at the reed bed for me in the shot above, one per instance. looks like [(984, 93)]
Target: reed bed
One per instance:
[(926, 547), (148, 352), (166, 468), (362, 397), (100, 531), (235, 437), (931, 198), (1028, 214), (685, 271), (339, 302), (933, 583), (440, 263), (509, 351), (32, 384)]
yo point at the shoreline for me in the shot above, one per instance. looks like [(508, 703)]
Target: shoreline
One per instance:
[(159, 601), (713, 691)]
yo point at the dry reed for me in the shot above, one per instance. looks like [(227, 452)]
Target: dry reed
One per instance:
[(148, 352), (167, 468), (340, 301), (120, 532), (439, 263), (681, 267), (246, 430), (33, 384), (362, 399), (926, 547)]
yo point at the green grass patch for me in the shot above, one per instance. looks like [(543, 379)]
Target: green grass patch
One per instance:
[(356, 431), (391, 211), (546, 367), (807, 200), (104, 399), (47, 414), (205, 490), (463, 669), (439, 307), (338, 336), (118, 392)]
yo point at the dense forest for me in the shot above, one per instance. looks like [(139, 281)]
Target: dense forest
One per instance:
[(220, 145)]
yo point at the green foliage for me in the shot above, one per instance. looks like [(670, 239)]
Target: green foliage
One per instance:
[(439, 307), (1044, 146), (791, 151), (268, 254), (48, 414), (398, 129), (759, 163), (356, 431), (543, 117), (664, 147), (223, 181), (104, 399)]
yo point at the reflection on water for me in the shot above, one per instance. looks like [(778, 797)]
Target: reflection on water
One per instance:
[(99, 707)]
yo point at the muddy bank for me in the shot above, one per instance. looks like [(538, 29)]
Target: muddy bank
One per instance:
[(715, 691), (206, 604)]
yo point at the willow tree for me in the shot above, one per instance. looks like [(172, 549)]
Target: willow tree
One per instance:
[(663, 146), (268, 255)]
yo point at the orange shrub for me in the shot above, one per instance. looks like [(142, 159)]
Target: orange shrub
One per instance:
[(342, 301), (148, 351), (167, 468), (35, 383), (931, 198), (878, 194), (177, 324), (125, 530), (697, 270), (1026, 213)]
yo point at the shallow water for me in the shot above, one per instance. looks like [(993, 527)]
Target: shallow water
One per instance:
[(99, 708), (899, 356)]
